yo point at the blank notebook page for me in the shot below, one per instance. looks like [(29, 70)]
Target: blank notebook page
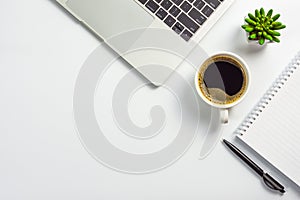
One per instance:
[(275, 132)]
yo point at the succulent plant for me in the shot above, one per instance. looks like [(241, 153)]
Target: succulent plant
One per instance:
[(262, 26)]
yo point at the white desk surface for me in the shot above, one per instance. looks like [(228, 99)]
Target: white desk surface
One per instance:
[(41, 52)]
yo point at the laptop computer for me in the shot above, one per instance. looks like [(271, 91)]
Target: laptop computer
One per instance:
[(149, 32)]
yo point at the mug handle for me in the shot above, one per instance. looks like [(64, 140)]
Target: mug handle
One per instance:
[(224, 115)]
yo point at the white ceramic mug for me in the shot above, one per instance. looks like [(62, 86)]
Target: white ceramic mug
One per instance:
[(224, 114)]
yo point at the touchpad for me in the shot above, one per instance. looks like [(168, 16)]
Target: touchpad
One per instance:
[(110, 18)]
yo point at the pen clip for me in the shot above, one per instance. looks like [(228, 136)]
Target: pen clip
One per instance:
[(272, 183)]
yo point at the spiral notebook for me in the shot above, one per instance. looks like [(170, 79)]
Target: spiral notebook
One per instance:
[(272, 128)]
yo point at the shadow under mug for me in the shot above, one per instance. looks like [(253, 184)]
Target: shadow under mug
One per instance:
[(224, 108)]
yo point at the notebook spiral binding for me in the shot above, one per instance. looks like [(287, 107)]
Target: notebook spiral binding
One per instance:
[(269, 95)]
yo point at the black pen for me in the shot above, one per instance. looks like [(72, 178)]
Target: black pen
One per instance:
[(268, 180)]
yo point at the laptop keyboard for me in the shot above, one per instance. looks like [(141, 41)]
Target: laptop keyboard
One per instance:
[(185, 17)]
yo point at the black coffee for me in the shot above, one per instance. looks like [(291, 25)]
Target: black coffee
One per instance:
[(222, 80)]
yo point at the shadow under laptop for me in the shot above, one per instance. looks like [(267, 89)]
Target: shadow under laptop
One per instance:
[(181, 83)]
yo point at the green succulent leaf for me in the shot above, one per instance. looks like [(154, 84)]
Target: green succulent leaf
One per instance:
[(262, 12), (279, 27), (269, 14), (250, 21), (275, 17), (261, 40), (275, 39), (251, 16), (274, 24), (249, 29), (274, 33), (247, 26), (269, 37), (257, 14), (253, 36), (265, 34)]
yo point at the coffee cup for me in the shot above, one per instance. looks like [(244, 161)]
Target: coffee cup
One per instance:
[(222, 81)]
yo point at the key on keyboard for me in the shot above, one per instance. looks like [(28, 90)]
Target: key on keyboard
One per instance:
[(152, 6), (184, 17), (213, 3)]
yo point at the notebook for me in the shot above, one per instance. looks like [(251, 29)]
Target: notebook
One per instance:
[(272, 128)]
